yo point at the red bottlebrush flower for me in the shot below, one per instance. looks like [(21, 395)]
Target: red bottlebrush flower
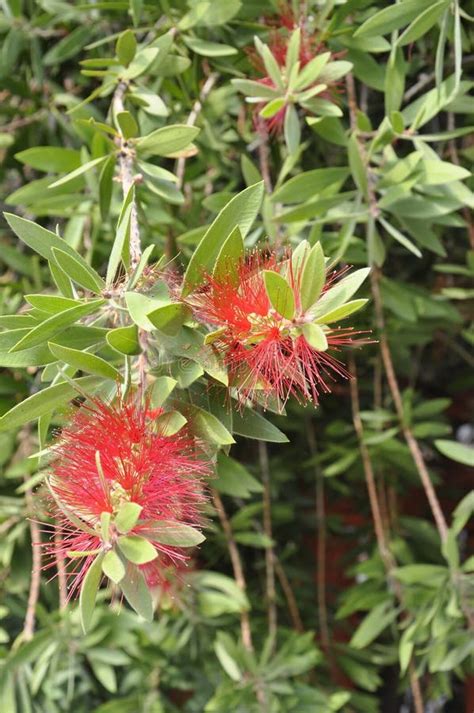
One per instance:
[(268, 355), (281, 34), (109, 455)]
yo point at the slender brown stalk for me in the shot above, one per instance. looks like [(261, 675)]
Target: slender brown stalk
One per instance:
[(410, 439), (61, 569), (236, 566), (33, 596), (128, 177), (380, 531), (321, 545), (285, 584), (191, 120), (267, 528)]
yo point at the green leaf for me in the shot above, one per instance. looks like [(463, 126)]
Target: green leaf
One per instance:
[(313, 277), (113, 567), (311, 71), (437, 172), (45, 401), (139, 306), (168, 140), (394, 84), (400, 238), (205, 425), (84, 361), (315, 337), (233, 479), (136, 592), (127, 124), (373, 624), (126, 47), (255, 89), (423, 22), (230, 257), (251, 424), (127, 516), (121, 238), (272, 108), (169, 318), (279, 293), (38, 238), (89, 588), (51, 159), (340, 293), (78, 171), (240, 211), (226, 659), (161, 389), (458, 452), (209, 49), (308, 185), (136, 549), (292, 129), (79, 271), (68, 46), (169, 423), (341, 312), (56, 323), (357, 166), (175, 534), (124, 340), (106, 183), (391, 18), (51, 303)]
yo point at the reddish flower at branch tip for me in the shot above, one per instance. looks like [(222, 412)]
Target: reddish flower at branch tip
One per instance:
[(271, 356), (111, 454)]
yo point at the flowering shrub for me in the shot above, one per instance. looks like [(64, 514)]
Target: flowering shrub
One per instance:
[(226, 486)]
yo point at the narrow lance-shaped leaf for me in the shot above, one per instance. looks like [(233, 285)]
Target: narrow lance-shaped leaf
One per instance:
[(88, 594), (280, 294)]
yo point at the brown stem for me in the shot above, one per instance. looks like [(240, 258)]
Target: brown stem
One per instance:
[(236, 567), (195, 111), (33, 596), (285, 584), (269, 552), (127, 177), (410, 439), (380, 532), (321, 545), (263, 159), (61, 568)]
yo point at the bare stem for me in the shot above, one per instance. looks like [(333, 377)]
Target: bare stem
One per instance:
[(410, 439), (61, 568), (237, 567), (269, 553), (127, 177), (33, 596), (380, 532), (321, 545)]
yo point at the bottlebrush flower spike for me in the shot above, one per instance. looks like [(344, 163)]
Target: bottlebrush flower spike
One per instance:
[(273, 323), (126, 496), (298, 71)]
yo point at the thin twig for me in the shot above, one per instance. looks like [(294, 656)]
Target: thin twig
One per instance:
[(285, 584), (410, 439), (321, 544), (127, 177), (61, 569), (236, 567), (191, 120), (33, 596), (267, 528), (19, 122), (380, 531)]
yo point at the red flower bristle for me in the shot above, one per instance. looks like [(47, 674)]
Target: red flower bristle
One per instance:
[(265, 357), (164, 475)]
